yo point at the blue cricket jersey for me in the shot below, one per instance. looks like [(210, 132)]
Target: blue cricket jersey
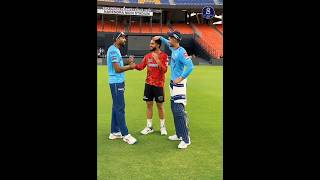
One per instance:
[(114, 55), (179, 59)]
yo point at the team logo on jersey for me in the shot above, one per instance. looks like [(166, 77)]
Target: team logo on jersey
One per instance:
[(150, 60)]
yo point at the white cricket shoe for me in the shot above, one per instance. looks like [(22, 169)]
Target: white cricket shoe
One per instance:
[(174, 138), (146, 131), (115, 135), (163, 131), (183, 145), (129, 139)]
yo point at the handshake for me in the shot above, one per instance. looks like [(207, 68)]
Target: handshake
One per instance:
[(131, 62)]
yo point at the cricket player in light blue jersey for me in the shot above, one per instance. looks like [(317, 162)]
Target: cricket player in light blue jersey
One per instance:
[(116, 69), (178, 84)]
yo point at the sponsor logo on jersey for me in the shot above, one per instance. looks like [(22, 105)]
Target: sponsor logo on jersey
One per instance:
[(153, 65)]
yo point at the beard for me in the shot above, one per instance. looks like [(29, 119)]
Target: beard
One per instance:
[(153, 49)]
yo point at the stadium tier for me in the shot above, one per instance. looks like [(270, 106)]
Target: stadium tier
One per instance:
[(210, 40), (167, 2), (141, 1), (183, 28), (109, 27), (191, 2), (145, 28), (218, 2), (142, 19)]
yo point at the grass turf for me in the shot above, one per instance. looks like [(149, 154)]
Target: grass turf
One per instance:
[(154, 156)]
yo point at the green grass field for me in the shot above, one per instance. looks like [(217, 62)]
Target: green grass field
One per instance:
[(154, 156)]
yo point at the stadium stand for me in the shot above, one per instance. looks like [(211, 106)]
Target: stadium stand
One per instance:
[(200, 39), (109, 27), (164, 2), (218, 2), (183, 28), (220, 27), (146, 28), (210, 40), (194, 2), (149, 1)]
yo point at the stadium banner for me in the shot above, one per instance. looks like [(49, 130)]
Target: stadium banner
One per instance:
[(125, 11)]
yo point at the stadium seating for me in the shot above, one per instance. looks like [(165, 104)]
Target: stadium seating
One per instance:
[(183, 28), (127, 1), (210, 40), (177, 2), (145, 28), (220, 27), (218, 2), (194, 2), (164, 1), (109, 27), (149, 1)]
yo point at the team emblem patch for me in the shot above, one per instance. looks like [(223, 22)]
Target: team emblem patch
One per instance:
[(160, 98)]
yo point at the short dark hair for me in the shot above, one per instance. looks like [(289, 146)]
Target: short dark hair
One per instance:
[(158, 41)]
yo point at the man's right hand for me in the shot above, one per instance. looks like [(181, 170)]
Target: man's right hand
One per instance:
[(132, 66), (156, 37)]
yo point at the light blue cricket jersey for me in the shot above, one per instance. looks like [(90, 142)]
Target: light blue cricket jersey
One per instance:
[(114, 55), (179, 59)]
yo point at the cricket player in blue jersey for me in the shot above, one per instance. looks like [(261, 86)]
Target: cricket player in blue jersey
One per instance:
[(116, 69), (178, 83)]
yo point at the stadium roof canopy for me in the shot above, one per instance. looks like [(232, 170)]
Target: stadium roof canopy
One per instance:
[(190, 5)]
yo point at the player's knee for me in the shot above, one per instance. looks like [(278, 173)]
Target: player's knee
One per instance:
[(149, 105)]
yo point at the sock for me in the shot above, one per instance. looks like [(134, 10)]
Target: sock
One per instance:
[(162, 123), (149, 123)]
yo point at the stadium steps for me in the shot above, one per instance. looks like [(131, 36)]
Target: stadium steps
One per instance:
[(210, 39), (218, 29)]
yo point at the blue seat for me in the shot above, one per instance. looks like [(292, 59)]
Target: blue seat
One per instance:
[(200, 2)]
